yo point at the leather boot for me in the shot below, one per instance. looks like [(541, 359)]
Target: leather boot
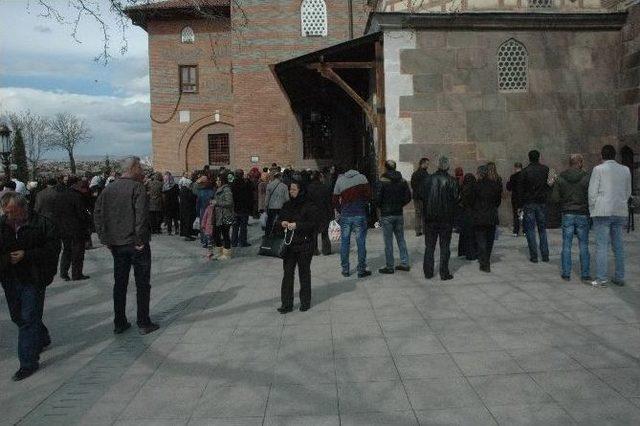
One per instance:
[(226, 254)]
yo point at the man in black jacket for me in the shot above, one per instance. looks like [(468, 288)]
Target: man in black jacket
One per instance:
[(392, 195), (535, 189), (417, 179), (29, 250), (65, 208), (122, 223), (513, 185), (571, 191), (242, 205), (439, 195), (319, 194)]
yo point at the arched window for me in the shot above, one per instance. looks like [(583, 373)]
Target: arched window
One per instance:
[(187, 35), (513, 67), (313, 18)]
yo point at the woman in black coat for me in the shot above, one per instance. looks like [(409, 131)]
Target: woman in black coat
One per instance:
[(298, 221), (170, 203), (467, 246), (187, 211), (485, 199)]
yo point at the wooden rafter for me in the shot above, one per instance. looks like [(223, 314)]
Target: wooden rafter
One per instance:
[(342, 65)]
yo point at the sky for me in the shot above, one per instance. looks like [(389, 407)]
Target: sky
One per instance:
[(42, 68)]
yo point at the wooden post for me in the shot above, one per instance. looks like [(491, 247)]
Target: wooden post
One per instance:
[(380, 120)]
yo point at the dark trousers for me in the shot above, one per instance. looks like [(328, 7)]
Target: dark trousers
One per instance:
[(323, 232), (186, 224), (485, 236), (72, 256), (221, 236), (123, 258), (26, 305), (516, 218), (434, 232), (155, 219), (239, 232), (171, 219), (535, 216), (272, 215), (303, 260)]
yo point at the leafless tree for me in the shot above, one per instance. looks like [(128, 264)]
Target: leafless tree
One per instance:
[(68, 132), (37, 135), (107, 13)]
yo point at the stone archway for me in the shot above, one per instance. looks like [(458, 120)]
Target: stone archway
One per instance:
[(191, 135)]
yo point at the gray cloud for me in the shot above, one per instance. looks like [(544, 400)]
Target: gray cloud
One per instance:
[(119, 125)]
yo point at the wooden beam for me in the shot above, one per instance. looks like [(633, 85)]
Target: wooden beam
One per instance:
[(342, 65), (380, 113), (328, 73)]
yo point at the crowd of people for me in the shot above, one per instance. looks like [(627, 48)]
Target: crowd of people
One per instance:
[(297, 209)]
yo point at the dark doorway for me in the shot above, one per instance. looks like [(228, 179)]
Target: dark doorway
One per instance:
[(627, 158)]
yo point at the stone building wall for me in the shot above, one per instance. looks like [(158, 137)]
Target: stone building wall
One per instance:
[(180, 143), (455, 107)]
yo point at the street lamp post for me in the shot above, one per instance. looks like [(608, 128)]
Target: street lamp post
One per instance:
[(5, 139)]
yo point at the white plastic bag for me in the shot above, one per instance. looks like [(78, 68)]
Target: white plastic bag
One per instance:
[(196, 224), (335, 231), (263, 220)]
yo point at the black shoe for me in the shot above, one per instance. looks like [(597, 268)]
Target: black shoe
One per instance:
[(148, 328), (81, 278), (23, 373), (119, 329), (316, 252), (304, 308), (485, 268), (428, 276), (285, 310), (618, 283), (418, 234), (386, 270), (564, 277), (545, 259), (65, 277), (364, 274), (533, 260), (346, 274), (446, 277), (405, 268)]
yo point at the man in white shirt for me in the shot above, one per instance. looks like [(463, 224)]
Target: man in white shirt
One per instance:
[(609, 192)]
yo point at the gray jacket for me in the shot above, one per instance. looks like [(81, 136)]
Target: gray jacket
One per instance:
[(121, 214), (277, 194), (609, 189)]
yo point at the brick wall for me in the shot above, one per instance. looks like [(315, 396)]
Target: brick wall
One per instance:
[(211, 52)]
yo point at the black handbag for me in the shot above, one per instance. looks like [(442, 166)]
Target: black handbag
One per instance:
[(276, 245)]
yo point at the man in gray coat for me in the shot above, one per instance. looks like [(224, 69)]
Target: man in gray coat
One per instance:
[(609, 192), (122, 223), (277, 195)]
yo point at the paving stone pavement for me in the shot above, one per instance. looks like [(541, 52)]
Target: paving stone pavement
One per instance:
[(518, 346)]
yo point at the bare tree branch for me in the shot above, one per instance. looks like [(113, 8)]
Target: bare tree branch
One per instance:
[(77, 11), (69, 131)]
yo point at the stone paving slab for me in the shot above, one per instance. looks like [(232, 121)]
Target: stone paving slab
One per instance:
[(518, 346)]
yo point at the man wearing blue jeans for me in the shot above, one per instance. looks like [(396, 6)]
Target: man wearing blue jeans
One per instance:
[(29, 250), (609, 192), (350, 197), (534, 189), (392, 195), (571, 192)]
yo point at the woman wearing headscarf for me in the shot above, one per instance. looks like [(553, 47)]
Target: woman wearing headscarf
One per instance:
[(298, 222), (223, 213), (262, 191), (204, 193), (467, 246), (485, 199), (170, 202)]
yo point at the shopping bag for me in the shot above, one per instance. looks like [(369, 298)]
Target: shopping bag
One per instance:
[(263, 220), (334, 231), (196, 224)]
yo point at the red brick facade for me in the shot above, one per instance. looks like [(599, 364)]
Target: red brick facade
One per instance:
[(235, 82)]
